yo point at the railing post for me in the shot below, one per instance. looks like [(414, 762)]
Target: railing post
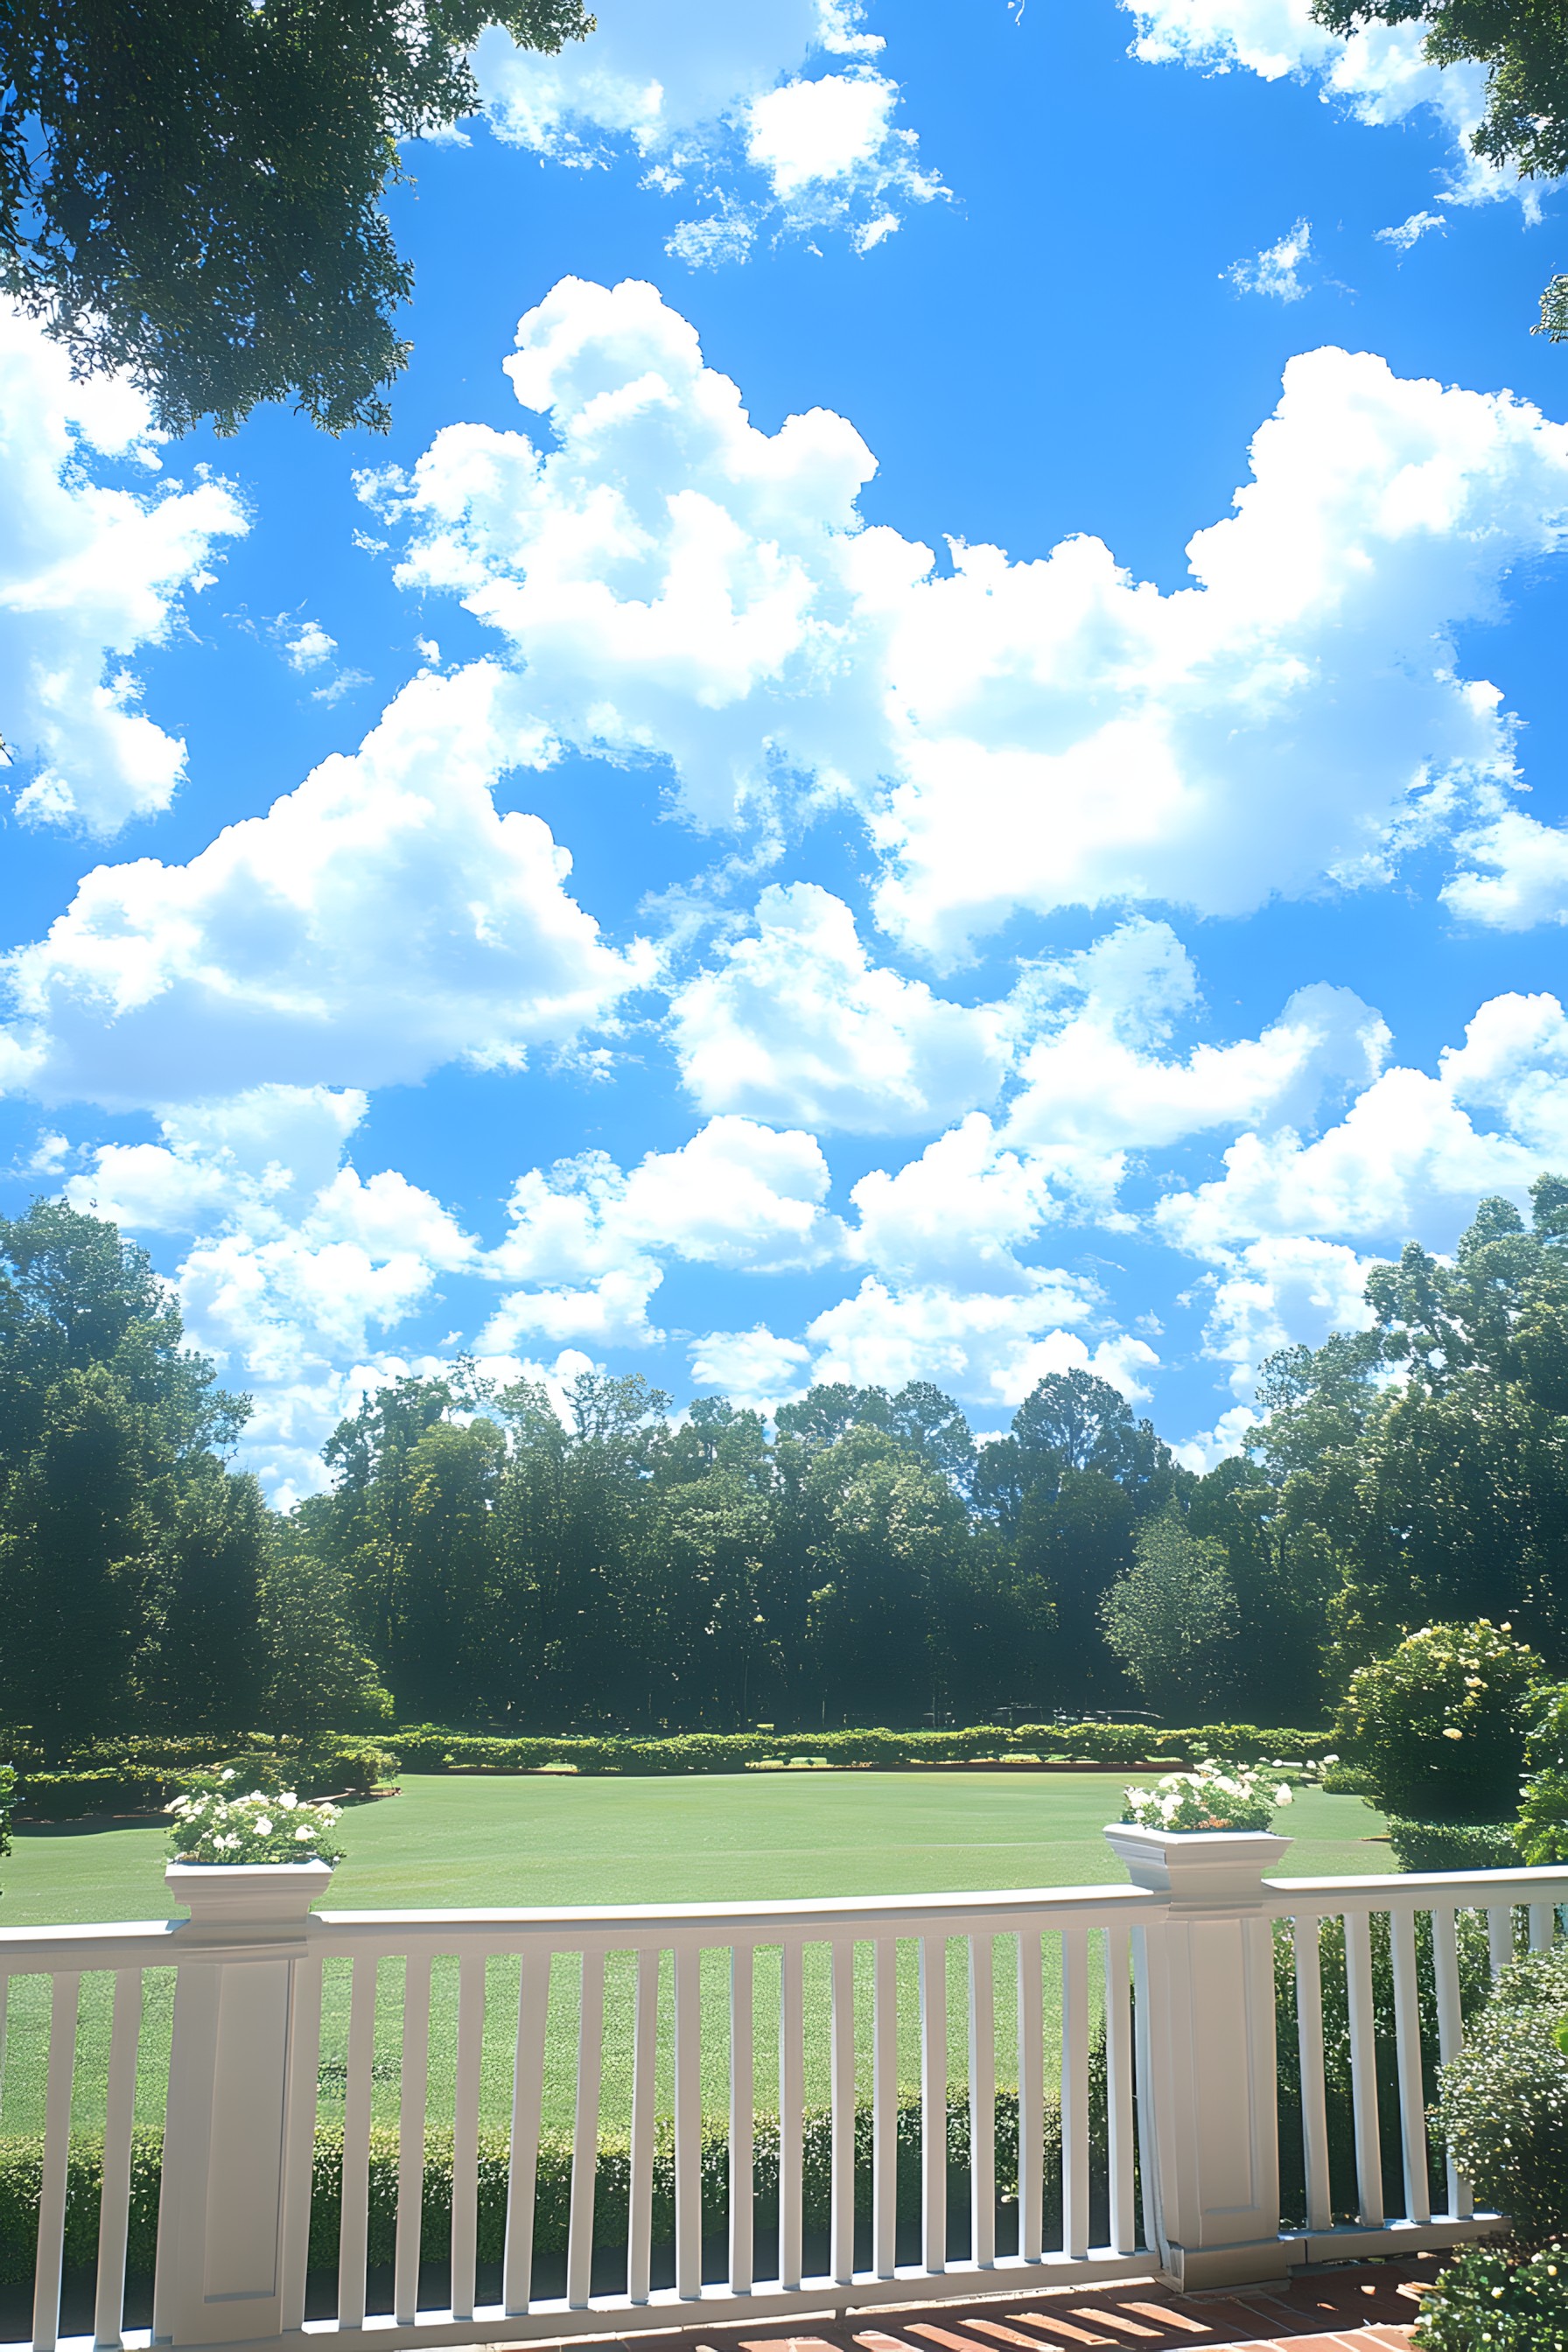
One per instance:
[(1206, 2061), (238, 2136)]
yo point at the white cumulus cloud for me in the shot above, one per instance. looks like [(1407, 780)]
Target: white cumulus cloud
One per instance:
[(980, 1345), (1378, 75), (92, 573), (380, 920), (1411, 1155), (722, 107), (688, 590), (796, 1022)]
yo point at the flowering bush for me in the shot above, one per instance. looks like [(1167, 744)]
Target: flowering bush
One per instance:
[(1436, 1731), (1488, 2297), (1209, 1799), (212, 1825)]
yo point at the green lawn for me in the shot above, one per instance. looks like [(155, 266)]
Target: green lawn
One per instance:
[(459, 1842)]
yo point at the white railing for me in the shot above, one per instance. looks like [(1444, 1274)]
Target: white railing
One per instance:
[(1137, 2023)]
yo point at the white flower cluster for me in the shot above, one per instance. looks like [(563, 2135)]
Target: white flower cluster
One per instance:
[(212, 1826), (1210, 1798)]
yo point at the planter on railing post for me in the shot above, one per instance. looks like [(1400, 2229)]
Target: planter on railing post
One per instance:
[(1206, 2061), (234, 2211)]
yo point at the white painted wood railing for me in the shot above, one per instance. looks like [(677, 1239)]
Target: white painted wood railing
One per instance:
[(1140, 2016)]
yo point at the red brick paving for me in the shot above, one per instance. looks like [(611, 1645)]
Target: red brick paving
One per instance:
[(1370, 2309)]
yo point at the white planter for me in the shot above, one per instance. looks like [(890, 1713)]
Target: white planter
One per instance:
[(1207, 1866), (249, 1900)]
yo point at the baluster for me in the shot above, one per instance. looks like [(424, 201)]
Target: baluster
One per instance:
[(742, 2115), (353, 2229), (1407, 2049), (791, 2103), (527, 2100), (1075, 2092), (885, 2107), (1450, 2031), (1363, 2068), (1499, 1937), (118, 2121), (1031, 2096), (1314, 2095), (411, 2136), (304, 2070), (1119, 2087), (933, 2102), (981, 2101), (842, 2255), (586, 2133), (466, 2132), (1543, 1927), (56, 2155), (644, 2057), (688, 2121)]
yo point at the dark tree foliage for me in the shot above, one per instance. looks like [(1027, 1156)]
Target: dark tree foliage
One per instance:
[(137, 1569), (1428, 1458), (190, 189), (135, 1566), (1523, 44), (485, 1557)]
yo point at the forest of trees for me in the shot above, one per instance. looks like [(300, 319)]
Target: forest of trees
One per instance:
[(476, 1562)]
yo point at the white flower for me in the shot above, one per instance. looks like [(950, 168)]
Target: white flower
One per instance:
[(1282, 1794), (287, 1802), (227, 1772), (305, 1831), (264, 1829)]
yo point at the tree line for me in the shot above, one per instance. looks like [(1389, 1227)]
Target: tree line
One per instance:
[(477, 1560)]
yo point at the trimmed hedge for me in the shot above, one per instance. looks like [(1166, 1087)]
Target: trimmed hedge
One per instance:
[(133, 1776), (1453, 1845), (21, 2172), (431, 1748), (141, 1775)]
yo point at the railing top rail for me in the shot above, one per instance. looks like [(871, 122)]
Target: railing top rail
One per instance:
[(957, 1912), (128, 1943), (1418, 1890), (161, 1943)]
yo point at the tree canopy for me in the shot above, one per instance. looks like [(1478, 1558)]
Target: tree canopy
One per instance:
[(1523, 45), (190, 189), (587, 1561)]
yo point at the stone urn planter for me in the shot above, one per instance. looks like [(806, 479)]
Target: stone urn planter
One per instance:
[(1207, 1866), (248, 1901)]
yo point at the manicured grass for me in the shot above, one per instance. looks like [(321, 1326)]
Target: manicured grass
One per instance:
[(456, 1842)]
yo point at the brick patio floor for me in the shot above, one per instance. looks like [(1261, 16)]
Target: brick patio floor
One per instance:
[(1369, 2308)]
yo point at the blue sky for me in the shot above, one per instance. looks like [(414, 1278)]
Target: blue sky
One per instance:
[(959, 771)]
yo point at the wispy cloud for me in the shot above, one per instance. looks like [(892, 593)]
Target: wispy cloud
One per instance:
[(1276, 270)]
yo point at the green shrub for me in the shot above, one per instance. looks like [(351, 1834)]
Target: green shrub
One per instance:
[(21, 2172), (1540, 1832), (1436, 1730), (72, 1796), (1452, 1845), (1488, 2301), (1503, 2107), (1542, 1826), (1475, 1976), (7, 1799)]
